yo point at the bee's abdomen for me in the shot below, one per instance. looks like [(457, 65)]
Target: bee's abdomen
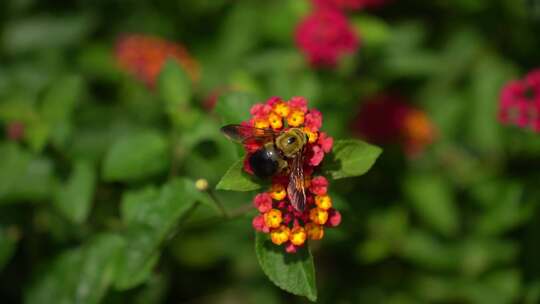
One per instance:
[(264, 162)]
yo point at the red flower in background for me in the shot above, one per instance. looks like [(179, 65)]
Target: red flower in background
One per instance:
[(144, 56), (15, 130), (388, 119), (286, 225), (520, 102), (325, 36), (350, 4)]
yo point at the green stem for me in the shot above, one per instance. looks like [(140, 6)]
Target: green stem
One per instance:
[(211, 221), (182, 220), (218, 203)]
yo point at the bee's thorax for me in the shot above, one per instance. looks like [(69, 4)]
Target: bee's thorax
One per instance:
[(291, 142)]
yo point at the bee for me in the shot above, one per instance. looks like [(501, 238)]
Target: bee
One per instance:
[(281, 151)]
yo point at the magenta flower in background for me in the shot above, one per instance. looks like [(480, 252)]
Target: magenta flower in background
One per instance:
[(325, 36), (15, 130), (519, 103), (350, 4)]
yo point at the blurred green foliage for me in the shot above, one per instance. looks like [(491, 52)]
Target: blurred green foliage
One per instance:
[(97, 199)]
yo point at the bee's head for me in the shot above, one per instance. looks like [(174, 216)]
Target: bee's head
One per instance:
[(291, 141)]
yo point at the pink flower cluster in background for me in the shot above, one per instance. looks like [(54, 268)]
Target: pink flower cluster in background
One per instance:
[(520, 102), (350, 4), (325, 35)]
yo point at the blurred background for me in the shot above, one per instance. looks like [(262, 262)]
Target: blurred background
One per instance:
[(109, 108)]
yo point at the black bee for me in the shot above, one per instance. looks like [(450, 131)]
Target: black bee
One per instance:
[(281, 150)]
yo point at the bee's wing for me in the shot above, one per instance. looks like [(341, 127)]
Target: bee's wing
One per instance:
[(296, 190), (240, 133)]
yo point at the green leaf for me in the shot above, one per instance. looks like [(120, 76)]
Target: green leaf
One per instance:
[(374, 31), (135, 157), (487, 78), (45, 32), (424, 250), (8, 242), (150, 216), (504, 207), (36, 134), (350, 158), (239, 33), (174, 87), (155, 291), (234, 107), (58, 105), (294, 273), (24, 176), (432, 200), (81, 275), (236, 179), (97, 60), (74, 199)]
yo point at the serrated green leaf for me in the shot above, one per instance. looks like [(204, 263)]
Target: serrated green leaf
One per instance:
[(235, 179), (136, 156), (150, 216), (350, 158), (74, 199), (294, 273), (81, 275)]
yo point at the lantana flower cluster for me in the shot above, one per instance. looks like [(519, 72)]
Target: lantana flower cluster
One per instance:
[(520, 102), (144, 56), (277, 217), (389, 119), (325, 36)]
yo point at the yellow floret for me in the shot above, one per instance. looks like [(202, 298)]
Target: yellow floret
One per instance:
[(278, 192), (324, 202), (297, 236), (282, 109), (261, 124), (295, 118), (318, 216), (314, 231), (280, 235), (273, 218), (312, 136), (275, 121)]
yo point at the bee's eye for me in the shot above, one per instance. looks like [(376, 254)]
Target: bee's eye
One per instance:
[(291, 140)]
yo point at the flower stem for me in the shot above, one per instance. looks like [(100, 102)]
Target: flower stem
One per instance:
[(218, 203), (234, 214)]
